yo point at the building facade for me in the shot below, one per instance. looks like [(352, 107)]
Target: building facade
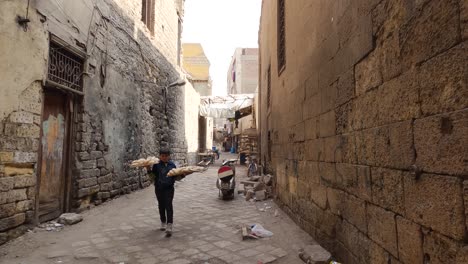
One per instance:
[(197, 66), (364, 120), (242, 76), (83, 93)]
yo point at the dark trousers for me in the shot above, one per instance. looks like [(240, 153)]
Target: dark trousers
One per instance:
[(165, 197)]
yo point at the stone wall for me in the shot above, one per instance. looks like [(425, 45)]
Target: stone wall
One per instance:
[(367, 131), (121, 116)]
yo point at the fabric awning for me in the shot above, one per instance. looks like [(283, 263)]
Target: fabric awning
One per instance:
[(224, 106)]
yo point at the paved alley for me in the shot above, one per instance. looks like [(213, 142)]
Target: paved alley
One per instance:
[(206, 230)]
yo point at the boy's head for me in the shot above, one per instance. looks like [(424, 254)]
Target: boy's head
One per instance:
[(164, 154)]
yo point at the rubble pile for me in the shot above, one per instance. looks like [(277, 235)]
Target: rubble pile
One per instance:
[(258, 188)]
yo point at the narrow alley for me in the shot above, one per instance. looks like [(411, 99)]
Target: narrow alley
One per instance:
[(207, 230)]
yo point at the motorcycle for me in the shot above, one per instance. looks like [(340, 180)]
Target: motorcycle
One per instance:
[(226, 182)]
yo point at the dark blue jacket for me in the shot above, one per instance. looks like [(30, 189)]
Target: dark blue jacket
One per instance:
[(161, 180)]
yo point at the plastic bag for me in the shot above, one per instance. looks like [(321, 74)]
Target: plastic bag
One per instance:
[(259, 231)]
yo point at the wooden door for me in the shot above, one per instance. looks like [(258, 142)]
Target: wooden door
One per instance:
[(53, 138)]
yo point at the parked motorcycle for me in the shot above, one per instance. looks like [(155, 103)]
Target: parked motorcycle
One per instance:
[(226, 182)]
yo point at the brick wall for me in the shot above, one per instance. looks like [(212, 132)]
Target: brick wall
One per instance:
[(367, 129), (121, 116)]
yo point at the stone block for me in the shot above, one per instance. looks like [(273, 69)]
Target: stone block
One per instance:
[(6, 184), (394, 145), (105, 179), (398, 99), (382, 228), (312, 149), (22, 117), (83, 192), (387, 188), (89, 173), (25, 157), (101, 163), (28, 130), (327, 124), (10, 129), (31, 193), (260, 195), (354, 211), (327, 173), (318, 194), (335, 200), (440, 249), (12, 221), (346, 149), (105, 187), (436, 201), (368, 73), (423, 37), (13, 196), (96, 154), (25, 181), (23, 206), (7, 210), (345, 87), (378, 255), (12, 170), (328, 149), (87, 182), (344, 115), (365, 147), (441, 141), (410, 241), (328, 94), (312, 106), (6, 157), (95, 189), (464, 19), (70, 218), (366, 109), (83, 156), (89, 164)]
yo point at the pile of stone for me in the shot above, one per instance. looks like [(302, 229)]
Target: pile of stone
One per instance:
[(258, 188)]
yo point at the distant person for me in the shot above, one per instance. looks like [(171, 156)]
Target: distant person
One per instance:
[(164, 189)]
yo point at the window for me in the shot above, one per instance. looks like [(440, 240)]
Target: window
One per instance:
[(147, 14), (65, 68), (281, 36), (269, 87)]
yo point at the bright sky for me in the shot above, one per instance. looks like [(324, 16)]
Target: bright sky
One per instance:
[(221, 26)]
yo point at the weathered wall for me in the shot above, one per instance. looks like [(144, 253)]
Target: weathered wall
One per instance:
[(120, 118), (367, 131)]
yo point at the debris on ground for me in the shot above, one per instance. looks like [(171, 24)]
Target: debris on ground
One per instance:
[(70, 218), (258, 187), (315, 254), (254, 231), (52, 226)]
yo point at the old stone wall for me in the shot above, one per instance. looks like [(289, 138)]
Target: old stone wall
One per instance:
[(192, 104), (121, 116), (366, 129)]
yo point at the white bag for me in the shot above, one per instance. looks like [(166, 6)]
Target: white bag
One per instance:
[(259, 231)]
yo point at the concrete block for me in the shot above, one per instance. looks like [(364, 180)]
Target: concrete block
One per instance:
[(410, 241), (423, 37), (23, 181), (12, 221), (436, 201), (382, 228), (387, 188)]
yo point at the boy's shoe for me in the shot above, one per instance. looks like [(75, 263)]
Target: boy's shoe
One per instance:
[(163, 226), (169, 230)]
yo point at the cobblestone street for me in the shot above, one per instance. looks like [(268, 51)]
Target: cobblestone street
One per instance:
[(206, 230)]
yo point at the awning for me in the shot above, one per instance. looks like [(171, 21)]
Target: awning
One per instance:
[(224, 106)]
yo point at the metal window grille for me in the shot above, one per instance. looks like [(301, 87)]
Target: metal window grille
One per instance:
[(269, 87), (65, 68), (147, 14), (281, 36)]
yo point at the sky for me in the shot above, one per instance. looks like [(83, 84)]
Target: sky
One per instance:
[(221, 26)]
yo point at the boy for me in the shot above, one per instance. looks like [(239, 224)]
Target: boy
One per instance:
[(164, 189)]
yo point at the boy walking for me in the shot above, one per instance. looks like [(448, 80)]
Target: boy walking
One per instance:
[(164, 189)]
